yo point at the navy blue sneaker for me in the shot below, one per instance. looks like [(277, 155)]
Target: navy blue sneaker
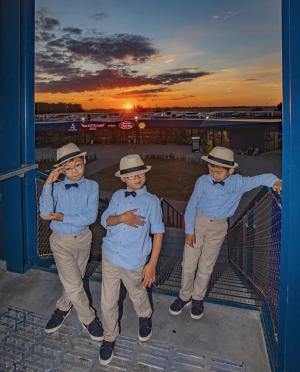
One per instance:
[(197, 309), (56, 320), (145, 329), (95, 329), (177, 306), (106, 352)]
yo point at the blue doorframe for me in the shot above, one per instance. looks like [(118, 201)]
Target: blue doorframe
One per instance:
[(17, 149), (289, 324), (17, 133)]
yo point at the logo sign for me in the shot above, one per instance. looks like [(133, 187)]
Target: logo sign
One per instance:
[(72, 128), (92, 126), (142, 125), (126, 125)]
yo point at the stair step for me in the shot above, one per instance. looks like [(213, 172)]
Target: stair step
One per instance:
[(224, 297)]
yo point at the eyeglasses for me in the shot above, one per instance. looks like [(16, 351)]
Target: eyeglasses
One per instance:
[(77, 167), (135, 176)]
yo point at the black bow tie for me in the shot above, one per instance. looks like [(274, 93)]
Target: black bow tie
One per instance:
[(219, 182), (132, 193), (69, 185)]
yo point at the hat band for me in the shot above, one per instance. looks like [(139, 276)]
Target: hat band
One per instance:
[(222, 161), (66, 157), (134, 169)]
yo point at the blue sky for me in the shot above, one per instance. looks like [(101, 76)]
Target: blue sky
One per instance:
[(162, 52)]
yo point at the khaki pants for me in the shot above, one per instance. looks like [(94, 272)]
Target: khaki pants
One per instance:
[(110, 290), (199, 261), (71, 254)]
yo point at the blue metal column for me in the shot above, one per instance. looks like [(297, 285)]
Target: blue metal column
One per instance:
[(16, 130), (10, 152), (289, 324), (28, 129)]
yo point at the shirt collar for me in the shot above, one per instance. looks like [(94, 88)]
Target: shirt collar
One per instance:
[(141, 191), (67, 181), (225, 181)]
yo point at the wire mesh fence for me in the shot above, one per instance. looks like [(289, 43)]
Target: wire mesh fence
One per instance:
[(254, 243)]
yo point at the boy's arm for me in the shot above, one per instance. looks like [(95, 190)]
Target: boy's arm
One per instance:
[(149, 270), (90, 215), (270, 180), (129, 218), (110, 217), (191, 209), (47, 199), (157, 228)]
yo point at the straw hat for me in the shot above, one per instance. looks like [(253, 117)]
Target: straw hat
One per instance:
[(131, 165), (222, 157), (67, 152)]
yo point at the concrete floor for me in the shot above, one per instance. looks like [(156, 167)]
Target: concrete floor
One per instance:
[(224, 332)]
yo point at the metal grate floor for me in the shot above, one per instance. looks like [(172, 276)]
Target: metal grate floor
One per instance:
[(26, 347)]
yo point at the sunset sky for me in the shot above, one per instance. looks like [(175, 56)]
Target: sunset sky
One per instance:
[(158, 53)]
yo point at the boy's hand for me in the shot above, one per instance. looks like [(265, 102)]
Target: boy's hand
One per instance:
[(55, 216), (148, 275), (190, 239), (132, 219), (53, 175), (277, 186)]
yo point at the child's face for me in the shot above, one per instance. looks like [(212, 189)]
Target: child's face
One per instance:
[(74, 168), (135, 182), (219, 173)]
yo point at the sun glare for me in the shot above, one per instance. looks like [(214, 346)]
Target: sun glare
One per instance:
[(128, 105)]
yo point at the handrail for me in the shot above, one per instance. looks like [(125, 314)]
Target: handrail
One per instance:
[(172, 217), (254, 248), (17, 172), (255, 200)]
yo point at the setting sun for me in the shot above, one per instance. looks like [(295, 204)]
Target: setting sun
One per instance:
[(128, 105)]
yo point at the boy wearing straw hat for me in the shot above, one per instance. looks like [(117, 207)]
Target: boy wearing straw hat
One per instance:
[(128, 252), (71, 205), (215, 198)]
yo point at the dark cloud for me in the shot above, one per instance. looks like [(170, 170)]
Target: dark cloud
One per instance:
[(47, 23), (99, 16), (143, 92), (184, 69), (118, 47), (56, 64), (109, 79), (73, 30), (104, 79), (180, 77), (57, 43)]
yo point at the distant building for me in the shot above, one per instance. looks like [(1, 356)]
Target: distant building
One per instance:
[(238, 134)]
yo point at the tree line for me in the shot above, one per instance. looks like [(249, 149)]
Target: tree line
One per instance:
[(60, 107)]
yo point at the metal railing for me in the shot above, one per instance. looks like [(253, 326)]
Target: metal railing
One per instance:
[(254, 248), (171, 216)]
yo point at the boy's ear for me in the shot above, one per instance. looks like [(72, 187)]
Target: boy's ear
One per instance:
[(123, 179), (84, 160), (231, 171)]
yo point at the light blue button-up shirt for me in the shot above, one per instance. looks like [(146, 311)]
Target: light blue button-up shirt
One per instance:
[(218, 201), (126, 246), (78, 204)]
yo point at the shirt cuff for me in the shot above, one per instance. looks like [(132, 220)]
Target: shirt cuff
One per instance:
[(158, 228), (47, 188)]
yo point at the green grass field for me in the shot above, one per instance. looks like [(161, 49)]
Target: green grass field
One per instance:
[(170, 179)]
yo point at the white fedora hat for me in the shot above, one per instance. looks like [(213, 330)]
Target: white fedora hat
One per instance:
[(131, 165), (67, 152), (222, 157)]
